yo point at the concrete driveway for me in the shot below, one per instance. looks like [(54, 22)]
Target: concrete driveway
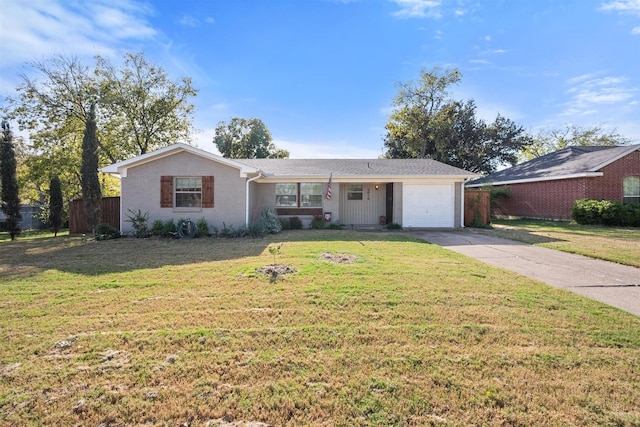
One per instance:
[(607, 282)]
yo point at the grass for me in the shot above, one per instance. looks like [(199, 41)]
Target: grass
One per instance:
[(616, 244), (183, 332)]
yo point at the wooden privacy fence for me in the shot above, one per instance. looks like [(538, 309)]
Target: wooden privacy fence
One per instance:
[(477, 207), (109, 214)]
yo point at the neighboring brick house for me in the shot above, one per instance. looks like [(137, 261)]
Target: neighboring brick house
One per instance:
[(547, 186)]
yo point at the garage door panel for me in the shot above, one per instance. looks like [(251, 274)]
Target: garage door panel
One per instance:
[(428, 205)]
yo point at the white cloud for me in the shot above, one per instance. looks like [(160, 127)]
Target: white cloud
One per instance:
[(590, 91), (39, 28), (418, 9), (192, 21), (622, 6), (626, 7), (189, 21)]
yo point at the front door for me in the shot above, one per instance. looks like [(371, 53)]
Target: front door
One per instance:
[(389, 195), (362, 203)]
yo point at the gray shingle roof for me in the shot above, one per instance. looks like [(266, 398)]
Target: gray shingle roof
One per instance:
[(563, 163), (354, 167)]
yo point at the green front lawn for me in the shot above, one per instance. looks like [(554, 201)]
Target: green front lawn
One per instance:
[(621, 245), (182, 332)]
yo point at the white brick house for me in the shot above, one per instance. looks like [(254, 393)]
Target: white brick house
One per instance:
[(181, 181)]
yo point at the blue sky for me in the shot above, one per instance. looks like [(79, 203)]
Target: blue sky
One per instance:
[(322, 74)]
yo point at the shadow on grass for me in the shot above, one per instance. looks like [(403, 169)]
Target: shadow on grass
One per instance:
[(522, 235), (73, 254), (566, 227)]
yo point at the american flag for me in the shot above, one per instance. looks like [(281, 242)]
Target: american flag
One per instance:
[(329, 186)]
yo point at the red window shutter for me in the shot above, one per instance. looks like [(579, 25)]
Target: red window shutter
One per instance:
[(207, 191), (166, 191)]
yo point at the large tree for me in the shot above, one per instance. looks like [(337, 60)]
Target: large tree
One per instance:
[(56, 205), (140, 109), (91, 194), (413, 122), (10, 193), (549, 140), (246, 139), (427, 123), (145, 109)]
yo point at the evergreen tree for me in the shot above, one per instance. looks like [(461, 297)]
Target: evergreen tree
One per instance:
[(10, 198), (55, 204), (91, 194)]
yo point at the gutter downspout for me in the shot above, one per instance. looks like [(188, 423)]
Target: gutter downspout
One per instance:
[(247, 196), (462, 201)]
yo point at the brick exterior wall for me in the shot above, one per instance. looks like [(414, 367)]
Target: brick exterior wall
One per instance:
[(609, 186), (141, 190), (554, 199)]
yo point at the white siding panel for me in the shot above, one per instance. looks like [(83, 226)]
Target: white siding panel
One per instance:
[(428, 205), (366, 211)]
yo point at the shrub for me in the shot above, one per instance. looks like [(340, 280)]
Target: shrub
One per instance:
[(496, 194), (227, 231), (157, 228), (334, 226), (169, 228), (106, 232), (139, 221), (633, 214), (394, 226), (295, 222), (317, 222), (270, 222), (255, 230), (202, 227), (605, 212), (285, 223)]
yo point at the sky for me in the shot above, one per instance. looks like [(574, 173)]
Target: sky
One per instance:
[(322, 74)]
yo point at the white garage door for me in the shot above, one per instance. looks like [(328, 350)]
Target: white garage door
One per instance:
[(428, 205)]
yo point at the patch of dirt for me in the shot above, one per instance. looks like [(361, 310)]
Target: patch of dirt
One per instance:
[(7, 369), (339, 258), (275, 270), (114, 358), (225, 422)]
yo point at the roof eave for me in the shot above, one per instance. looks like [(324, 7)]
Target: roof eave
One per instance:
[(120, 168), (620, 155), (270, 177), (537, 179)]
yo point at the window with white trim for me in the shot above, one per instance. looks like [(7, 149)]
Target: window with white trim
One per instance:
[(631, 186), (188, 192), (299, 195), (354, 192), (311, 194)]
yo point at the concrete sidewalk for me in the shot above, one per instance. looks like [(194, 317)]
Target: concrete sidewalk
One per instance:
[(607, 282)]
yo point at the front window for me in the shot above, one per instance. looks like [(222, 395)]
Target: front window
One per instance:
[(311, 195), (286, 195), (354, 192), (188, 192), (296, 195), (631, 186)]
